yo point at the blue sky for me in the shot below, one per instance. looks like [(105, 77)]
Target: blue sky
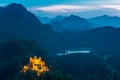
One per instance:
[(83, 8), (47, 2)]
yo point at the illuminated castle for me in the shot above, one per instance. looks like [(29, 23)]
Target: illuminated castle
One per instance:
[(36, 64)]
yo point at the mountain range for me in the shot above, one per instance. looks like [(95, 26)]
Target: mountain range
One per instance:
[(106, 20), (18, 23), (73, 23), (70, 23)]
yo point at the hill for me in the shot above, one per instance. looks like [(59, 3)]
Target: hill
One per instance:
[(15, 54)]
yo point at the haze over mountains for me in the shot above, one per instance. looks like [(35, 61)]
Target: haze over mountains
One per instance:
[(44, 20), (25, 25), (106, 20), (71, 23), (61, 23)]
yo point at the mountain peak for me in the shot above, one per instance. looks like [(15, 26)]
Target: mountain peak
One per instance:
[(105, 15), (75, 19), (73, 16), (16, 7), (14, 10), (59, 17)]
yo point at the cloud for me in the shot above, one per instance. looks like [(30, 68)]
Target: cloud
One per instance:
[(74, 8), (64, 8), (85, 10), (116, 7)]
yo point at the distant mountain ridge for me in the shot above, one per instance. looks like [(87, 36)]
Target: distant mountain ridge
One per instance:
[(44, 20), (106, 20), (76, 23), (70, 23), (63, 23), (59, 17)]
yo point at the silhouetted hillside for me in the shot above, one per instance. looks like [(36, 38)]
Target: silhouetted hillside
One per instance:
[(89, 66), (1, 8), (17, 22), (15, 54)]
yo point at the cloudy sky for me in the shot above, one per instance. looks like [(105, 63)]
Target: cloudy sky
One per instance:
[(83, 8)]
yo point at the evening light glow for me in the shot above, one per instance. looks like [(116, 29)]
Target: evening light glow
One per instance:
[(36, 64)]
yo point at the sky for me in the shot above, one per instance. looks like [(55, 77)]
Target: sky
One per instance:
[(83, 8)]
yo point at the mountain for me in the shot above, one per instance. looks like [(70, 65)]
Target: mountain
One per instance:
[(76, 23), (1, 8), (57, 25), (70, 23), (44, 20), (15, 19), (59, 17), (106, 20), (17, 22)]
